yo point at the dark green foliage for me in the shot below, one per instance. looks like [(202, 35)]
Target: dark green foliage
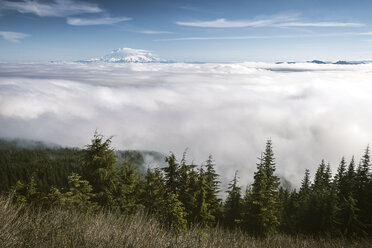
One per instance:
[(203, 213), (50, 167), (233, 204), (172, 174), (363, 190), (27, 194), (212, 189), (153, 191), (128, 191), (78, 197), (99, 169), (172, 213), (182, 194), (263, 207)]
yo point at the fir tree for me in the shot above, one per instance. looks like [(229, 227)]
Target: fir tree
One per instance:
[(203, 214), (172, 213), (79, 196), (233, 204), (27, 194), (265, 196), (363, 190), (128, 189), (154, 191), (98, 164), (172, 174), (212, 190)]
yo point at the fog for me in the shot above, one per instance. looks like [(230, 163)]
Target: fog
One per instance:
[(309, 111)]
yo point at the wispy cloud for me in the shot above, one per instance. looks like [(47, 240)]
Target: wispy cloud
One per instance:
[(249, 37), (276, 21), (57, 8), (12, 36), (223, 23), (96, 21), (365, 33), (320, 24), (244, 37), (154, 32)]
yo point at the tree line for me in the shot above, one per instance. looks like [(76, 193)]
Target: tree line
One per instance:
[(182, 195)]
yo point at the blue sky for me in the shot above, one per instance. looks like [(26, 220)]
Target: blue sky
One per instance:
[(208, 30)]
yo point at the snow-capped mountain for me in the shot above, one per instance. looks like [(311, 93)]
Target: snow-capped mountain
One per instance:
[(127, 55)]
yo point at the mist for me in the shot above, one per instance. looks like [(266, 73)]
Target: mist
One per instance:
[(309, 111)]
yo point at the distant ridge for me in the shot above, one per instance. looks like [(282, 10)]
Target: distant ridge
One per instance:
[(340, 62)]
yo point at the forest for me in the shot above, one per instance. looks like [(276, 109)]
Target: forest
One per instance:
[(183, 196)]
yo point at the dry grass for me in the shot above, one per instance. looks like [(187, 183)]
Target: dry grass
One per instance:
[(61, 228)]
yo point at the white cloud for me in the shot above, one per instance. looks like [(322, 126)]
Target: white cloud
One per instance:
[(223, 23), (320, 24), (365, 33), (274, 21), (58, 8), (228, 110), (95, 21), (154, 32), (249, 37), (12, 36)]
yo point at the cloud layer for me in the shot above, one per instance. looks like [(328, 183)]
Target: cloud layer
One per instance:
[(310, 111)]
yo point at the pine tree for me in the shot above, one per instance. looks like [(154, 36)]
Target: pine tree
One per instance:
[(304, 212), (27, 194), (363, 191), (172, 213), (98, 164), (212, 190), (305, 184), (128, 190), (154, 191), (79, 196), (172, 174), (323, 202), (203, 215), (265, 196), (347, 216), (188, 187), (233, 204)]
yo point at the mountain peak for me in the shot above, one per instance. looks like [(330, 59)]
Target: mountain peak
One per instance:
[(127, 55)]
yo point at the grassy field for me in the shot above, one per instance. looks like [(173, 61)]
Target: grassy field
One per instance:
[(62, 228)]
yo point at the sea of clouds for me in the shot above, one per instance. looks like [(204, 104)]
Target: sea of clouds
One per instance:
[(309, 111)]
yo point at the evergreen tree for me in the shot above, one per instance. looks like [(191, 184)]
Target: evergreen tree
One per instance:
[(233, 204), (78, 197), (304, 213), (27, 194), (363, 191), (98, 164), (172, 213), (154, 191), (213, 188), (202, 211), (305, 184), (128, 189), (265, 196), (323, 202), (188, 187), (172, 174)]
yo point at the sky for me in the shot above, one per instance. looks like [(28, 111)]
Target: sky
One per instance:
[(193, 30)]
